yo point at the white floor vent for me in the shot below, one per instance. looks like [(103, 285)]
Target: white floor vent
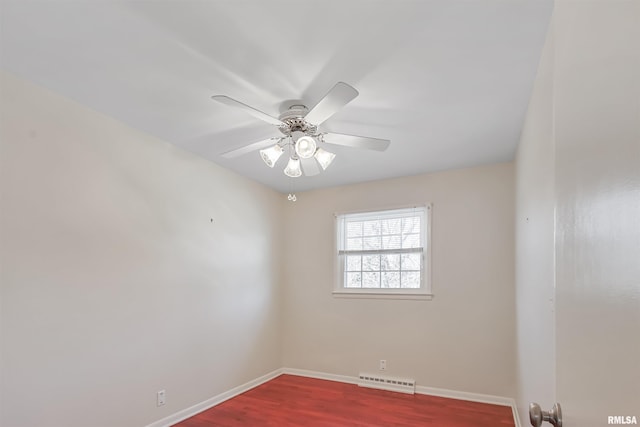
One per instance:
[(403, 385)]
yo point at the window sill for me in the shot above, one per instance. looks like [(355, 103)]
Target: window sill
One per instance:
[(382, 295)]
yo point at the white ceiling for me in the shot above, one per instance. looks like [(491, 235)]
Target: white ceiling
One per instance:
[(448, 81)]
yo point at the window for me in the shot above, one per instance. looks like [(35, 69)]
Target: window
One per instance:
[(384, 253)]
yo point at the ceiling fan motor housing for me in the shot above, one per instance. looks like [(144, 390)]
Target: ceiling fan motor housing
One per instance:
[(293, 120)]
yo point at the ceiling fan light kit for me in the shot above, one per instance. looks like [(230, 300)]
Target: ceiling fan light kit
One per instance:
[(299, 125), (293, 168), (324, 158), (271, 155), (306, 147)]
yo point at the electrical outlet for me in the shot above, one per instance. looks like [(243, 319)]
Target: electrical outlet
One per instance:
[(161, 398), (383, 365)]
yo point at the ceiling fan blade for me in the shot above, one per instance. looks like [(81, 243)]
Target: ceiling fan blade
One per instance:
[(255, 113), (356, 141), (310, 167), (249, 148), (339, 96)]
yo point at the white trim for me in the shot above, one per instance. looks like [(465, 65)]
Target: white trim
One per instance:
[(382, 295), (473, 397), (320, 375), (216, 400), (516, 416), (428, 254), (463, 395)]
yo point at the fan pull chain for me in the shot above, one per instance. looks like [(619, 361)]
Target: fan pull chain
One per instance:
[(292, 195)]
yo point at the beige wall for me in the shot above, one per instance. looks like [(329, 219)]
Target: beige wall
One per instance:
[(115, 284), (464, 339)]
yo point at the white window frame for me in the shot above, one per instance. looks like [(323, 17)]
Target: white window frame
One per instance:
[(424, 292)]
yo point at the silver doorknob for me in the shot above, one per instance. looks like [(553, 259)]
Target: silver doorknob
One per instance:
[(537, 415)]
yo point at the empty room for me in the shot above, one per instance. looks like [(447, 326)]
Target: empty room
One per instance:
[(319, 213)]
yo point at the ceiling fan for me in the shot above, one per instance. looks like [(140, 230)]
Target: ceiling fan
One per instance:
[(299, 127)]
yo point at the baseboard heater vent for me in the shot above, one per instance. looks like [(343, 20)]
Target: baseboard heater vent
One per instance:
[(402, 385)]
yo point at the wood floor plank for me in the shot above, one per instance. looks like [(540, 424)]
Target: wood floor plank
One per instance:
[(290, 400)]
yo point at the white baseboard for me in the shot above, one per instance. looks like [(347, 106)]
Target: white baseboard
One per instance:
[(320, 375), (473, 397), (463, 395), (431, 391), (516, 416), (216, 400)]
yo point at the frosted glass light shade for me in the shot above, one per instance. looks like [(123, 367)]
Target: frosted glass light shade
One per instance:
[(324, 158), (293, 168), (306, 147), (271, 155)]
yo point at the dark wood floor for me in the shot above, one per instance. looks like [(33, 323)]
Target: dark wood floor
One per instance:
[(298, 401)]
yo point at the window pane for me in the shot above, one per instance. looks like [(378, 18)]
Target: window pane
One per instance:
[(410, 241), (391, 242), (372, 243), (390, 262), (371, 228), (383, 249), (354, 263), (411, 279), (354, 280), (354, 229), (371, 263), (391, 226), (390, 280), (370, 280), (354, 244), (411, 261), (411, 224)]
